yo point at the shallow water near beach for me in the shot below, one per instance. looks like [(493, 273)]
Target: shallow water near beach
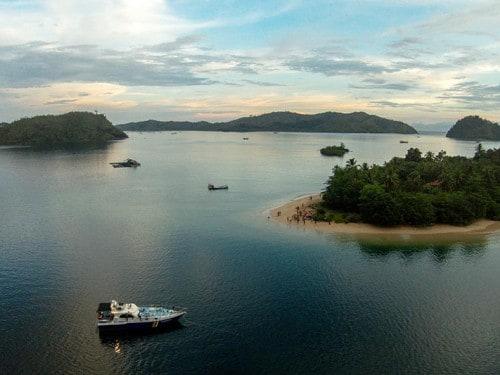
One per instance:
[(261, 298)]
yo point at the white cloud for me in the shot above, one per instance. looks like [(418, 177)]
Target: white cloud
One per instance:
[(107, 23)]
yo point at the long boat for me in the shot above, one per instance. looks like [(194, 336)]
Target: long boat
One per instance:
[(213, 187), (126, 164), (113, 316)]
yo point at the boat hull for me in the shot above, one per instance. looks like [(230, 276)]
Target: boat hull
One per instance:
[(143, 325)]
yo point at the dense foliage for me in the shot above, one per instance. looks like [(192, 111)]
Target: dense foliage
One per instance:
[(73, 129), (334, 150), (475, 128), (419, 190), (327, 122)]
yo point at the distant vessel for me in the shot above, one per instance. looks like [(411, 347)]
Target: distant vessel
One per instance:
[(128, 316), (245, 138), (126, 164), (213, 187), (403, 141)]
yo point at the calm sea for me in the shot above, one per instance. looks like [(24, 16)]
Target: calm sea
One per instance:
[(262, 298)]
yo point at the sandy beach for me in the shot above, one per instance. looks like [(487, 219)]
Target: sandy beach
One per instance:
[(284, 213)]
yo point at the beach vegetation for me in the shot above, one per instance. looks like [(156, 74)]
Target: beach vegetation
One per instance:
[(418, 190)]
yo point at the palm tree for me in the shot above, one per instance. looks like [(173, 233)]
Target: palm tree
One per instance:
[(479, 151), (391, 179)]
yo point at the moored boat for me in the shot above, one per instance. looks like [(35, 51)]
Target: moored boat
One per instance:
[(126, 164), (128, 316), (221, 187)]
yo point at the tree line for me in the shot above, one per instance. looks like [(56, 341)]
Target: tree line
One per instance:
[(418, 189), (334, 150), (73, 129)]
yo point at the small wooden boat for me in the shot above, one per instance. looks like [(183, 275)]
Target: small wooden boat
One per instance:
[(126, 164), (221, 187), (246, 138), (403, 141)]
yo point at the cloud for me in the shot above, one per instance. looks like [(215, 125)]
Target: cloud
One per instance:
[(60, 101), (110, 23), (479, 18), (472, 94), (428, 107), (119, 24), (37, 64), (116, 54), (382, 84), (335, 67), (388, 103), (261, 83)]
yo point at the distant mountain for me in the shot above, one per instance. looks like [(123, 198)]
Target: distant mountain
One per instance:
[(328, 122), (475, 128), (73, 129), (436, 127)]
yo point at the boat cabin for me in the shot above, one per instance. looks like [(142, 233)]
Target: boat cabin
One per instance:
[(110, 310)]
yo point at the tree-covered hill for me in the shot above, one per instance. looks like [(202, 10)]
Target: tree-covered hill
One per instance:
[(474, 128), (418, 190), (73, 129), (328, 122), (334, 150)]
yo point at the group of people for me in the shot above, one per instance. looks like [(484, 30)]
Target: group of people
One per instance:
[(301, 214)]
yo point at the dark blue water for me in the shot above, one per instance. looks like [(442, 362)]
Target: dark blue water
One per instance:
[(262, 298)]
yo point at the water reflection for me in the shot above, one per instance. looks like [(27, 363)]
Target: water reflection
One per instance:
[(66, 157), (441, 248), (117, 340)]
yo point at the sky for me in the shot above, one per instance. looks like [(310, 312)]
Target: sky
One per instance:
[(418, 61)]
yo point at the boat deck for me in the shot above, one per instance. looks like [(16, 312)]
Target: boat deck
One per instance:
[(155, 312)]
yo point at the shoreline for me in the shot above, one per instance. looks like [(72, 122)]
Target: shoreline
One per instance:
[(287, 210)]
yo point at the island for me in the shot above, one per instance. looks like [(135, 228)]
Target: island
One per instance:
[(70, 130), (334, 150), (415, 194), (475, 128), (327, 122)]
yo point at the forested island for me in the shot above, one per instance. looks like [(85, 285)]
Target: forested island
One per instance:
[(327, 122), (474, 128), (70, 130), (417, 190), (334, 150)]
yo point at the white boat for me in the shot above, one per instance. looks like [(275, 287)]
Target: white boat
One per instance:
[(128, 316)]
